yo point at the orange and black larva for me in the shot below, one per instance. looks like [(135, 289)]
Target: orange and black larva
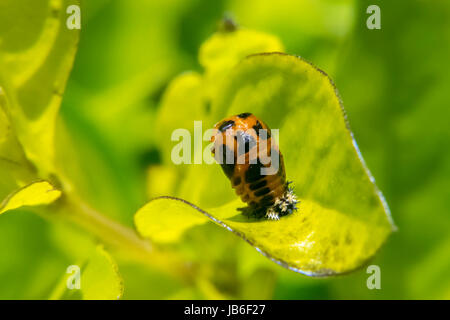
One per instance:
[(267, 195)]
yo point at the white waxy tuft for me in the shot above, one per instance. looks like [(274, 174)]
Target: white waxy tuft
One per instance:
[(272, 215), (283, 205)]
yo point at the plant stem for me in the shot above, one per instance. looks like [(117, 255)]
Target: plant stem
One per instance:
[(123, 240)]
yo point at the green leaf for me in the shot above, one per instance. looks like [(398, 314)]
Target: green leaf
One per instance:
[(220, 53), (184, 94), (99, 279), (34, 194), (36, 56), (342, 218), (170, 228), (223, 50), (15, 170), (166, 177)]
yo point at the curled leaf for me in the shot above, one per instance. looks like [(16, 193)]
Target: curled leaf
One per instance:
[(315, 241), (342, 218)]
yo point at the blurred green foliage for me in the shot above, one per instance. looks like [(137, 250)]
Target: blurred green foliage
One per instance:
[(394, 83)]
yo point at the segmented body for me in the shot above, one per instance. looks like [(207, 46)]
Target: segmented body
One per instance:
[(248, 141)]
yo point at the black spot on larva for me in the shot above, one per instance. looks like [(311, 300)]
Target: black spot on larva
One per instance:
[(253, 204), (257, 127), (236, 181), (262, 192), (226, 125), (228, 169), (227, 162), (244, 115), (253, 172), (273, 155), (227, 155), (245, 142), (267, 200), (259, 184)]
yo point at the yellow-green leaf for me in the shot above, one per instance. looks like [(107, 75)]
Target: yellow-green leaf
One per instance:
[(15, 170), (36, 55), (165, 176), (342, 218), (34, 194), (184, 94), (100, 278), (224, 50), (96, 278), (172, 226)]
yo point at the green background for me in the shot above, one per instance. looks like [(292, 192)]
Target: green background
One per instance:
[(394, 83)]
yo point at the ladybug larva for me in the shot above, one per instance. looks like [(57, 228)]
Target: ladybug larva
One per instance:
[(244, 148)]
